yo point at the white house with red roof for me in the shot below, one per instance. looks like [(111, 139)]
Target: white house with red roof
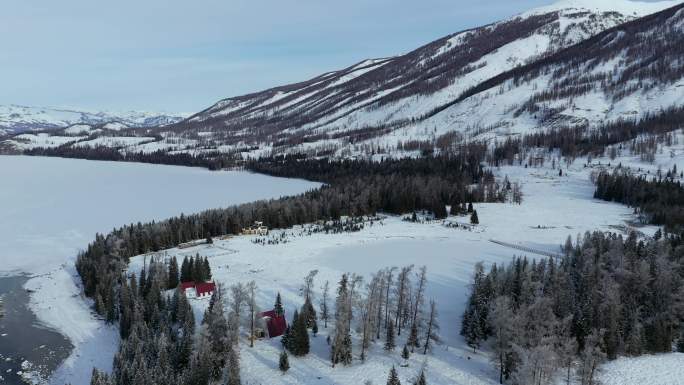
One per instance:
[(198, 289)]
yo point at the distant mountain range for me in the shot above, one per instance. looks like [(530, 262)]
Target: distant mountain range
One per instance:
[(577, 63), (18, 119)]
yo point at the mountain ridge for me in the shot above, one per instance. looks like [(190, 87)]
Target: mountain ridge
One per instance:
[(277, 112), (442, 93), (16, 118)]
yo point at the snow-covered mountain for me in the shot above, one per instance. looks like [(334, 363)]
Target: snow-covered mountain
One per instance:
[(627, 72), (16, 119), (409, 97), (577, 62)]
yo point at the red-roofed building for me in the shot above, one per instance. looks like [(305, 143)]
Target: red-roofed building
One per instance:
[(205, 289), (275, 324), (198, 290)]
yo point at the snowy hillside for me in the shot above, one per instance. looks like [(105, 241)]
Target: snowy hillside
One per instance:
[(625, 73), (16, 119), (381, 102), (576, 63)]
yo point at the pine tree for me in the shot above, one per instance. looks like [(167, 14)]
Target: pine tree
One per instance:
[(474, 219), (296, 337), (111, 306), (474, 318), (389, 338), (185, 345), (207, 270), (308, 313), (186, 274), (680, 343), (173, 274), (292, 337), (301, 334), (142, 283), (472, 332), (192, 271), (284, 362), (233, 366), (286, 339), (393, 378), (405, 353), (215, 336), (278, 307)]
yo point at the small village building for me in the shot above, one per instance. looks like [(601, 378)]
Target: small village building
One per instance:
[(198, 289), (257, 228), (275, 324)]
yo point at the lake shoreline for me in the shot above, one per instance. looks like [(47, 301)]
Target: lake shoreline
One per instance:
[(28, 354)]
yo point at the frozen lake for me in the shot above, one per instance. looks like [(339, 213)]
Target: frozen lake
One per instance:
[(52, 207)]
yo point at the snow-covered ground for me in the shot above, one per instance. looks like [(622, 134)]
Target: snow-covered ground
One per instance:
[(661, 369), (553, 208), (50, 208), (30, 141)]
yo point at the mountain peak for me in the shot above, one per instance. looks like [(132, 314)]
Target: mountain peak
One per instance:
[(625, 7)]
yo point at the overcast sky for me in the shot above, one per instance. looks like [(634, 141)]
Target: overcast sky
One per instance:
[(182, 56)]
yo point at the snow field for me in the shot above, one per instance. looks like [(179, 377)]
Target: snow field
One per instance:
[(661, 369)]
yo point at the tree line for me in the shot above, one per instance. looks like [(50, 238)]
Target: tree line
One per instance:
[(607, 296), (660, 199), (212, 160)]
